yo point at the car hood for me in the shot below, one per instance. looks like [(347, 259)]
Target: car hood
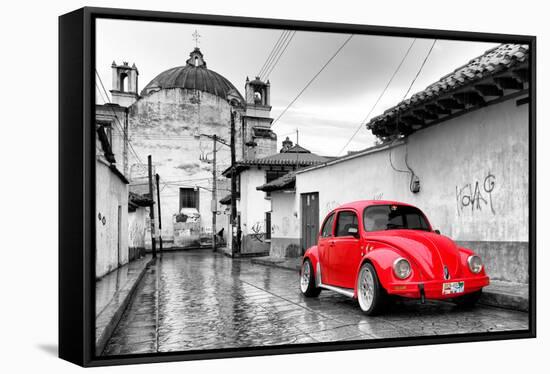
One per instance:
[(427, 251)]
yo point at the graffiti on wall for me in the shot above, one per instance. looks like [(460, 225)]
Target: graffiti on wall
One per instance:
[(331, 205), (476, 196), (257, 232), (378, 196)]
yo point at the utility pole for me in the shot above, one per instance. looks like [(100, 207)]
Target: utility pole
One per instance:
[(235, 248), (214, 202), (157, 177), (214, 207), (152, 208)]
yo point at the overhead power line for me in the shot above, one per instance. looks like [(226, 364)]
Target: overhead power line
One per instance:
[(268, 73), (312, 79), (420, 69), (273, 52), (361, 124)]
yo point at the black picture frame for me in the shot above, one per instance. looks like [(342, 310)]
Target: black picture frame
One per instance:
[(77, 188)]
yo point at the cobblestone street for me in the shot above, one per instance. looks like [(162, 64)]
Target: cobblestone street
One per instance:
[(200, 300)]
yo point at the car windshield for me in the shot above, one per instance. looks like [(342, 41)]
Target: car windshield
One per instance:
[(394, 217)]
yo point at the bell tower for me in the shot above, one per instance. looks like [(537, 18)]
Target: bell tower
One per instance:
[(260, 141), (125, 84)]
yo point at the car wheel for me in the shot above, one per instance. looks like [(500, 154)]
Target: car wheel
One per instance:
[(469, 300), (307, 280), (370, 294)]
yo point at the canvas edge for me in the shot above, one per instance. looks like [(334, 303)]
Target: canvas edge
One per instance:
[(76, 190)]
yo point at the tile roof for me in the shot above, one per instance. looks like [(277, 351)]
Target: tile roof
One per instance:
[(139, 199), (293, 159), (226, 200), (287, 181), (296, 148), (475, 81), (287, 158)]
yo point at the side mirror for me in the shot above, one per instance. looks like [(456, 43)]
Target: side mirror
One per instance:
[(437, 232), (353, 231)]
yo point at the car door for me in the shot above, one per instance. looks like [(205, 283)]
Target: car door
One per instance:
[(323, 246), (345, 254)]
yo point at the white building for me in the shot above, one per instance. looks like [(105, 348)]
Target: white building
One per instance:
[(253, 204)]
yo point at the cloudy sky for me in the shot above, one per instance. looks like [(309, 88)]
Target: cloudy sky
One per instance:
[(329, 112)]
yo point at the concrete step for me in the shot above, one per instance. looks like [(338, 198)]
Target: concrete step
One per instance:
[(506, 295)]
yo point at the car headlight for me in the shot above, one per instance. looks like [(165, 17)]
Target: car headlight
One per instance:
[(475, 264), (401, 268)]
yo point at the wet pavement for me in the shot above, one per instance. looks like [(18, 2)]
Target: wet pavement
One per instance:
[(200, 300)]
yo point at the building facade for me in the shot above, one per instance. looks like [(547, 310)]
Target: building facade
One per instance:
[(175, 118), (111, 208), (254, 204)]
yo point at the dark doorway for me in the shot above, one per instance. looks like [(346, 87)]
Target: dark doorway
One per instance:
[(268, 225), (310, 219)]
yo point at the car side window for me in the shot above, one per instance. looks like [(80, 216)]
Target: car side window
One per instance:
[(346, 220), (327, 227)]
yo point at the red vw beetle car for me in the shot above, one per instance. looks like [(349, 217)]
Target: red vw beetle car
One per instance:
[(371, 250)]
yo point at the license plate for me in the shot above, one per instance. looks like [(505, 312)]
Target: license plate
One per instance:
[(453, 287)]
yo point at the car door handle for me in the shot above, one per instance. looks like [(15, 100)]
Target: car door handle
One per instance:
[(331, 243)]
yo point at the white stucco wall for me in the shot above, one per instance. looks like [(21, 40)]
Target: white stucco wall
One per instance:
[(484, 147), (111, 192), (284, 225), (253, 203), (137, 227)]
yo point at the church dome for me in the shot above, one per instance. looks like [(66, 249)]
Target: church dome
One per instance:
[(193, 76)]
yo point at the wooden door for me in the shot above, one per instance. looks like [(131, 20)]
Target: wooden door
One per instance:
[(310, 219)]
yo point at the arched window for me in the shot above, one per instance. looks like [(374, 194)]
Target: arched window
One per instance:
[(257, 97), (124, 82)]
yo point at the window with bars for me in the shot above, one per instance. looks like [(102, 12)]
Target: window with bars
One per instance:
[(189, 198)]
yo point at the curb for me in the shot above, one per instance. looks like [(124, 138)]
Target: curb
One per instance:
[(505, 301), (276, 264), (130, 290)]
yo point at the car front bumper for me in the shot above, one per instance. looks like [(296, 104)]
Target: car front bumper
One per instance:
[(434, 289)]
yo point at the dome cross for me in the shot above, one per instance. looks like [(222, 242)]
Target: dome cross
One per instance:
[(196, 37)]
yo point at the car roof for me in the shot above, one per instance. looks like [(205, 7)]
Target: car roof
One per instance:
[(361, 204)]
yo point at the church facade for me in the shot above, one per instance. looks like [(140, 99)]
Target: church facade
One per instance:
[(175, 118)]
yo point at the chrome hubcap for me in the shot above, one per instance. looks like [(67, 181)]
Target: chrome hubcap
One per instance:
[(304, 279), (365, 292)]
